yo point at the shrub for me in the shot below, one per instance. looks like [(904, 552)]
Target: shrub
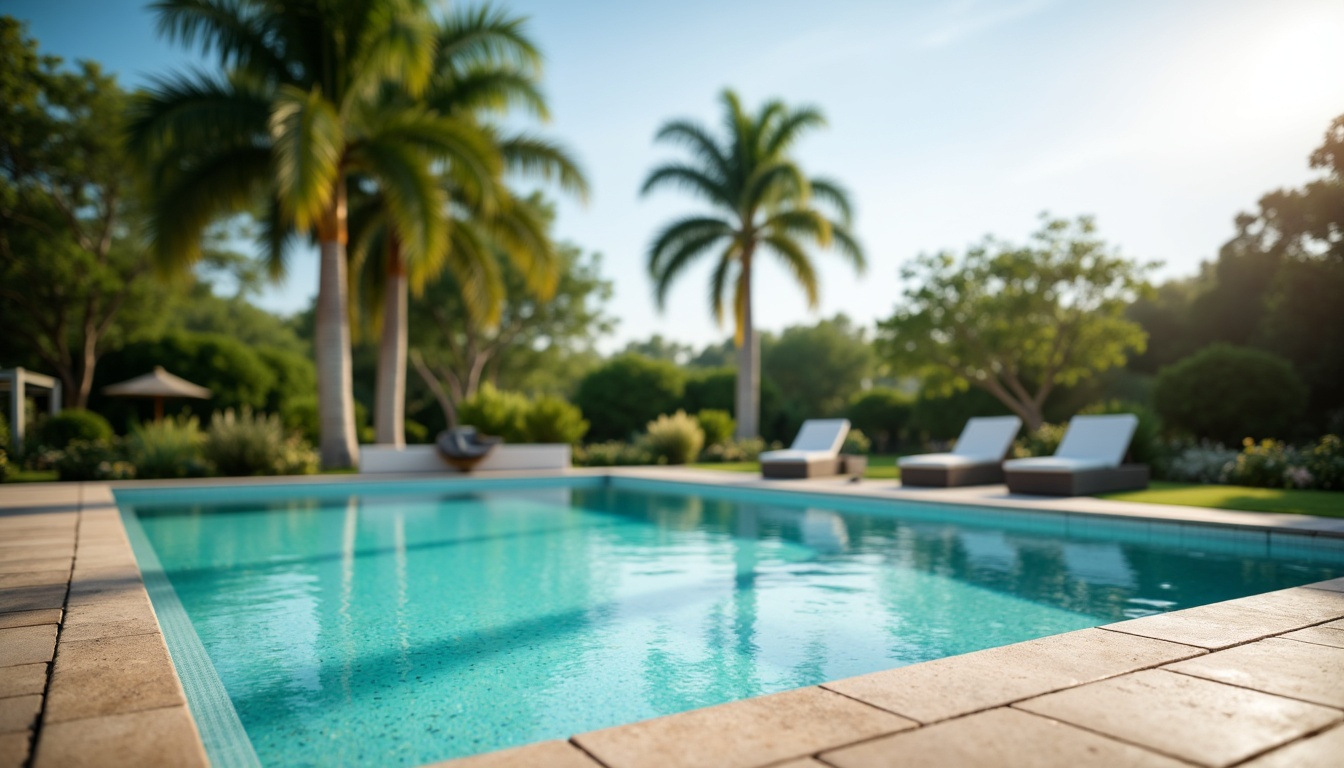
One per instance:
[(716, 390), (168, 448), (1227, 393), (91, 460), (717, 425), (495, 412), (856, 443), (1325, 461), (621, 396), (1268, 464), (248, 444), (677, 439), (300, 416), (935, 418), (1146, 446), (416, 432), (552, 419), (1042, 442), (612, 453), (734, 451), (4, 463), (5, 434), (1204, 462), (59, 430), (883, 415)]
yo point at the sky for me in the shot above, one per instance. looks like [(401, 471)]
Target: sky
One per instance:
[(947, 120)]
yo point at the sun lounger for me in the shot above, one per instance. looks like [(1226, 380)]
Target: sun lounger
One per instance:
[(976, 459), (815, 451), (1088, 461)]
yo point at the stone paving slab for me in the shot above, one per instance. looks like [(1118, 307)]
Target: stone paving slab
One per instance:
[(998, 737), (957, 685), (1202, 721), (1305, 671), (23, 679), (157, 737), (18, 713), (742, 734), (1230, 623), (552, 754), (14, 749), (1324, 750), (27, 645), (1324, 634)]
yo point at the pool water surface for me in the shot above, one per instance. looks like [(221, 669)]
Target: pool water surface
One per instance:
[(401, 629)]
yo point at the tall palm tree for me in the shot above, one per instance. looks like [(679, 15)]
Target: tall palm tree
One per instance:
[(303, 106), (485, 65), (765, 204)]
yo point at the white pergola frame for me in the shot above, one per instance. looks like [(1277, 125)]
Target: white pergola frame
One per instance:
[(19, 380)]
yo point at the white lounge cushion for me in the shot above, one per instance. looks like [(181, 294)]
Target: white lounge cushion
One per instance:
[(988, 436), (1054, 464), (825, 435), (944, 461), (790, 455), (1098, 438)]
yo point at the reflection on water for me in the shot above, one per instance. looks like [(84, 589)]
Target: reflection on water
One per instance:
[(402, 630)]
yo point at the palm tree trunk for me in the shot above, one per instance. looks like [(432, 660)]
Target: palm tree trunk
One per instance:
[(389, 418), (748, 406), (335, 401)]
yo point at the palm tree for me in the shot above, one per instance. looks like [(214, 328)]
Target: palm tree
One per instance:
[(765, 205), (485, 64), (302, 107)]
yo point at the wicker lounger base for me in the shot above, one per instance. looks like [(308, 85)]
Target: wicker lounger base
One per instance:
[(1127, 477), (952, 477), (794, 470)]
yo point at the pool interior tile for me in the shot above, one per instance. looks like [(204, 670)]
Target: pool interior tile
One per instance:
[(957, 685), (111, 675), (1285, 667), (1324, 750), (27, 645), (742, 734), (1002, 736), (1204, 722), (22, 679), (157, 737), (551, 754)]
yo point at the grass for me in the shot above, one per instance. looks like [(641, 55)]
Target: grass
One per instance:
[(32, 476), (1320, 503), (879, 467)]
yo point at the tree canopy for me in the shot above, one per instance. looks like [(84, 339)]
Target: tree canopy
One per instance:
[(1017, 321)]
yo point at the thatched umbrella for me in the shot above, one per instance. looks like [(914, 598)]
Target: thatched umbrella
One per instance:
[(158, 385)]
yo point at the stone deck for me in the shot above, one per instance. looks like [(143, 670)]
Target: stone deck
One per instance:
[(85, 677)]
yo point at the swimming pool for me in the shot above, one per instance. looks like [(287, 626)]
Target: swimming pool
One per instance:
[(353, 624)]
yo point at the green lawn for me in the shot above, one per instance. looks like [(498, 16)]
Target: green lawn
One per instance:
[(32, 476), (1323, 503), (879, 467)]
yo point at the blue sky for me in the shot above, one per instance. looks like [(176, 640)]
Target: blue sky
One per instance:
[(948, 121)]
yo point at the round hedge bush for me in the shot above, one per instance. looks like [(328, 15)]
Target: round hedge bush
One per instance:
[(1228, 394), (59, 430)]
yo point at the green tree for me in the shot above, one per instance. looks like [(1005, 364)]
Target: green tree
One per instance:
[(533, 345), (485, 64), (72, 275), (765, 204), (657, 347), (1228, 393), (627, 392), (1017, 321), (883, 415), (839, 358), (310, 98)]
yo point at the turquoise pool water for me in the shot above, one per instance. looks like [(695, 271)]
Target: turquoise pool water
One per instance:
[(400, 629)]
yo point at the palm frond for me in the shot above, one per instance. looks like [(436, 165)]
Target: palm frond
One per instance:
[(236, 31), (486, 35), (795, 258), (397, 44), (534, 156), (691, 178), (275, 235), (672, 237), (791, 127), (849, 247), (196, 194), (807, 222), (698, 140), (718, 281), (832, 193), (472, 263), (196, 110), (488, 89), (412, 199), (308, 139), (774, 183)]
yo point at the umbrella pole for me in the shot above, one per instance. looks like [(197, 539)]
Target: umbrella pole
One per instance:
[(158, 409)]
